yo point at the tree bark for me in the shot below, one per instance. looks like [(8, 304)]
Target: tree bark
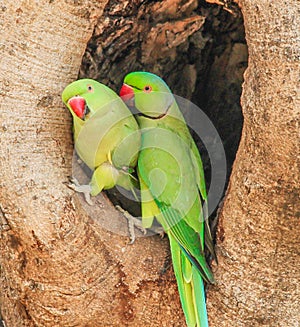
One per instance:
[(258, 233), (59, 267)]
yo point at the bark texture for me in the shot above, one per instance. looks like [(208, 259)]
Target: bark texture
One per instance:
[(258, 234)]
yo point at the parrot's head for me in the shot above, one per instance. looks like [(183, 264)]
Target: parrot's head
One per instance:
[(85, 96), (152, 97)]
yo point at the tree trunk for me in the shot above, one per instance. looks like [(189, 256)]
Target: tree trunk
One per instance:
[(258, 232), (61, 265)]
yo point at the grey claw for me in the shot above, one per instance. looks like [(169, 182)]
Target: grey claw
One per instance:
[(133, 222), (160, 231), (85, 189)]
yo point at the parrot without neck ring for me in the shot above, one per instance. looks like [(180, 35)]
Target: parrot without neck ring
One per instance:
[(172, 187), (106, 135)]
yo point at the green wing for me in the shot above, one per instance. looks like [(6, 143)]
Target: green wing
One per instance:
[(199, 173), (181, 129), (166, 168)]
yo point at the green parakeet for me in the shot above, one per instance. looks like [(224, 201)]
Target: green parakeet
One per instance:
[(106, 135), (172, 184)]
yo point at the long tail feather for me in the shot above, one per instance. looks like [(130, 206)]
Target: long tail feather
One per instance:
[(190, 287), (199, 299)]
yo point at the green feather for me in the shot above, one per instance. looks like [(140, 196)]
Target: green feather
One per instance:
[(184, 288), (191, 289)]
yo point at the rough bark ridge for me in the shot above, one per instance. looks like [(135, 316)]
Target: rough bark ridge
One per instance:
[(59, 267), (258, 273)]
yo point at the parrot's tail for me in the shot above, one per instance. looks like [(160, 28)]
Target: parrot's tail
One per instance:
[(190, 287)]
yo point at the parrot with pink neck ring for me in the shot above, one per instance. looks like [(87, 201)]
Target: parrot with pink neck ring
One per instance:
[(173, 187)]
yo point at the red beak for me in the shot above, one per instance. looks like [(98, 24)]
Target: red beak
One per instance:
[(126, 92), (77, 104)]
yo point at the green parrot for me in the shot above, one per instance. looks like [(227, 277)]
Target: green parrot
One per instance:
[(106, 136), (172, 187)]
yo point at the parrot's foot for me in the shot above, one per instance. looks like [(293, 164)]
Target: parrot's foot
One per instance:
[(159, 230), (85, 189), (132, 222)]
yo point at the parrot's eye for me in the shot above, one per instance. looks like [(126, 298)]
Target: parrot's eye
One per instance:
[(90, 88), (147, 89)]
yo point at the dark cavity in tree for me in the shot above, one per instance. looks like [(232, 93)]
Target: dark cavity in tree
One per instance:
[(199, 49)]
